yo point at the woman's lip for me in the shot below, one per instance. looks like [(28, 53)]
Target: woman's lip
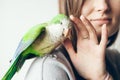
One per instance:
[(101, 20)]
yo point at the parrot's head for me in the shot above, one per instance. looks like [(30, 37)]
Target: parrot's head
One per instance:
[(60, 28)]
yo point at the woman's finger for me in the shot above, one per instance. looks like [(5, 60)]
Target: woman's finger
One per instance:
[(82, 31), (90, 28), (68, 45), (104, 36)]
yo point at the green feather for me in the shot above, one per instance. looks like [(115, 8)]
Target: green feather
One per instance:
[(57, 19), (34, 31), (14, 68), (37, 42)]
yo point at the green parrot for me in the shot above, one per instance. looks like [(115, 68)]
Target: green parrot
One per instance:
[(39, 41)]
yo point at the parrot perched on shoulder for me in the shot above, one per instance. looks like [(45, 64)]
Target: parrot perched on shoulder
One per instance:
[(39, 41)]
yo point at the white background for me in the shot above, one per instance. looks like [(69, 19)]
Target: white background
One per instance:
[(17, 17)]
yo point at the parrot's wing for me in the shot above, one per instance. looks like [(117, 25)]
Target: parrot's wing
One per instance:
[(29, 38)]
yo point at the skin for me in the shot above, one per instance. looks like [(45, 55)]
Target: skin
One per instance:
[(89, 60)]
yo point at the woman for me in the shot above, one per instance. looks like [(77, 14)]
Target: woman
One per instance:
[(96, 24)]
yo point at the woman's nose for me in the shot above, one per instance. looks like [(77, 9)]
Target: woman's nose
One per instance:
[(102, 5)]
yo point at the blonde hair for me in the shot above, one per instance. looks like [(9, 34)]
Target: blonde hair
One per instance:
[(69, 7)]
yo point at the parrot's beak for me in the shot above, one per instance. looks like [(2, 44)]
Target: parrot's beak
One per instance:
[(67, 33)]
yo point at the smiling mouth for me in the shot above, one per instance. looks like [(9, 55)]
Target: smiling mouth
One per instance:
[(101, 21)]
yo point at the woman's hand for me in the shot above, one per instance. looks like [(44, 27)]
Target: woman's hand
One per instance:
[(89, 60)]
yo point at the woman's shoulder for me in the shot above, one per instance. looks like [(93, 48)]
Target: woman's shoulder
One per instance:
[(51, 67)]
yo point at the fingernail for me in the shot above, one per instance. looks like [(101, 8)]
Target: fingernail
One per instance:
[(71, 17), (104, 25), (82, 17)]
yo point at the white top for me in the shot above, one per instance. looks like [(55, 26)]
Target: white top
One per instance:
[(51, 67), (55, 66)]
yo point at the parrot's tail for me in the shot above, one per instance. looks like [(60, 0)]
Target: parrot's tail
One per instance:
[(16, 65)]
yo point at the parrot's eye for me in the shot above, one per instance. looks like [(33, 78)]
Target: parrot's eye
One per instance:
[(61, 23), (62, 34)]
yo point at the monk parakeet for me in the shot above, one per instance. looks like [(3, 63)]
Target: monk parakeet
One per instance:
[(39, 41)]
